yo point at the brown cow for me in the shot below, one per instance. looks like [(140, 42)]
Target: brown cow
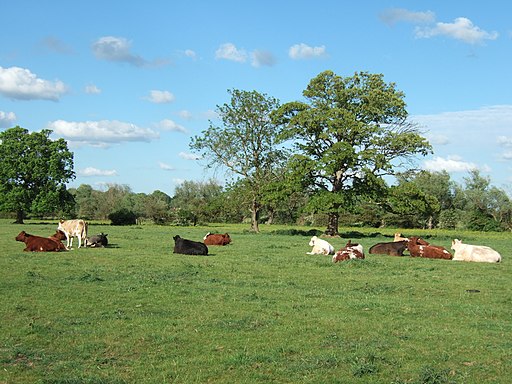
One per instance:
[(38, 243), (394, 248), (58, 236), (216, 239), (349, 251), (421, 248)]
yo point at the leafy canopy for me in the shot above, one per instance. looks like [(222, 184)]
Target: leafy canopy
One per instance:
[(347, 135), (34, 172)]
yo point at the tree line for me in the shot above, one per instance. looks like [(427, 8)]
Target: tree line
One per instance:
[(325, 160), (422, 200)]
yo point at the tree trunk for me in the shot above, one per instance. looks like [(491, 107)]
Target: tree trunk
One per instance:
[(270, 216), (19, 217), (332, 224), (255, 215)]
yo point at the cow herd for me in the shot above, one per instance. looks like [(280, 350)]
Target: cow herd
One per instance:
[(66, 230), (416, 246)]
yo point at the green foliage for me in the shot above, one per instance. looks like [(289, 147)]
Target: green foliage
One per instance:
[(348, 135), (34, 172), (195, 202), (245, 144), (123, 217)]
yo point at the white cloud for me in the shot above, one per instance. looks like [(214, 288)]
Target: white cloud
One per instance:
[(101, 133), (303, 51), (492, 122), (438, 139), (92, 89), (461, 29), (117, 49), (166, 167), (91, 171), (7, 119), (188, 156), (262, 58), (160, 97), (450, 164), (186, 115), (229, 51), (19, 83), (505, 141), (395, 15), (169, 125), (191, 54)]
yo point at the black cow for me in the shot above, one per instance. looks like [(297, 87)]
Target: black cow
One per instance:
[(98, 241), (189, 247), (394, 248)]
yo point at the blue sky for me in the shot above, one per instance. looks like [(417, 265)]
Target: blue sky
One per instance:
[(128, 84)]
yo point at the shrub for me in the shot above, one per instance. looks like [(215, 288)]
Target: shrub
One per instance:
[(123, 217)]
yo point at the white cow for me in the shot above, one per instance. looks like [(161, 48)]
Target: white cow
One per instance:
[(74, 228), (320, 247), (478, 253)]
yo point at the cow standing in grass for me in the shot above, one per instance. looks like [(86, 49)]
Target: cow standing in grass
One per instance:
[(74, 228)]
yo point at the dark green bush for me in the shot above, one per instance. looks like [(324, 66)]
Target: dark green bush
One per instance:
[(123, 217)]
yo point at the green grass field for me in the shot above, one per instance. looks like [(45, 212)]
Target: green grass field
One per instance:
[(257, 311)]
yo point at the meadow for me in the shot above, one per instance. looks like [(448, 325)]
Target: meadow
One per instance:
[(259, 310)]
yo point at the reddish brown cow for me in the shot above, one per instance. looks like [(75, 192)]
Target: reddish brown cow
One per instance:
[(58, 236), (216, 239), (38, 243), (349, 251), (420, 248)]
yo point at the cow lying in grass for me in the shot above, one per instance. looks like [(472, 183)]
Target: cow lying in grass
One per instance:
[(216, 239), (394, 248), (421, 248), (320, 247), (477, 253), (348, 252), (98, 241), (189, 247), (39, 244), (58, 236)]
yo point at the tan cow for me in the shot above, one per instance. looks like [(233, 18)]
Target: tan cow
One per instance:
[(74, 228)]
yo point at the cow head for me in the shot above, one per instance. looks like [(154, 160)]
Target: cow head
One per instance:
[(21, 236)]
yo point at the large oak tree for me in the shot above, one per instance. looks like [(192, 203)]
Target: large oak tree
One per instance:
[(33, 172), (348, 134)]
